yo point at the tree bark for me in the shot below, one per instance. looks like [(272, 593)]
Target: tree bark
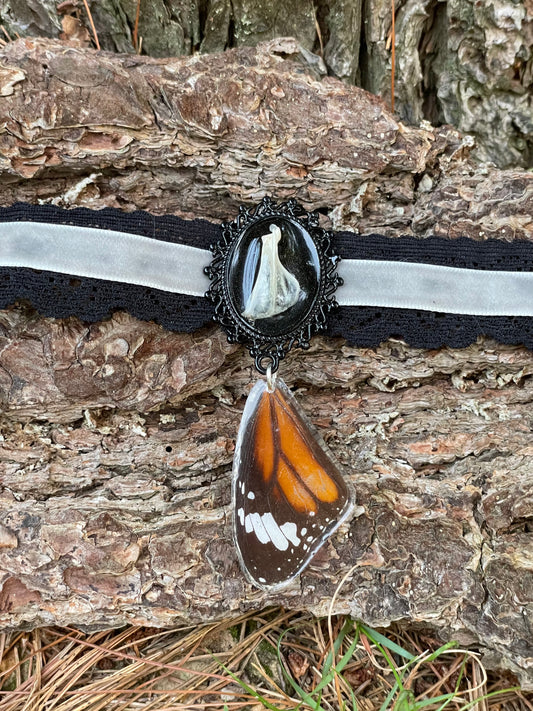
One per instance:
[(174, 135), (117, 437), (462, 62)]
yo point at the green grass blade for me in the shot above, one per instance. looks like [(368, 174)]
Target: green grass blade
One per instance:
[(380, 639), (348, 654), (328, 673), (354, 700), (405, 701), (440, 650), (328, 661), (247, 687), (343, 661), (385, 705), (446, 698), (309, 700), (490, 695), (461, 674)]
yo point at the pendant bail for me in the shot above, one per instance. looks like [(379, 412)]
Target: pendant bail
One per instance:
[(271, 379)]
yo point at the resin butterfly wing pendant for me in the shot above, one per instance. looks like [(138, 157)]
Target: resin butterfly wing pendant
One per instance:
[(273, 281), (288, 494)]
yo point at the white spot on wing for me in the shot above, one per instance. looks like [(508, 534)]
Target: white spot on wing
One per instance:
[(290, 530), (259, 528), (268, 530), (251, 495), (275, 532)]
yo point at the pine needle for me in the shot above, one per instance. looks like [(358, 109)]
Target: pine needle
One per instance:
[(93, 28), (275, 659), (136, 44)]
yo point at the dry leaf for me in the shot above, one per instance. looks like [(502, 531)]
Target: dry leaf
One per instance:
[(75, 31), (298, 664)]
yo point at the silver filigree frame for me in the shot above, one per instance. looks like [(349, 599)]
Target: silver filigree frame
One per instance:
[(268, 350)]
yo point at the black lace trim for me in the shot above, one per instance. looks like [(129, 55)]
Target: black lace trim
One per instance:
[(60, 295)]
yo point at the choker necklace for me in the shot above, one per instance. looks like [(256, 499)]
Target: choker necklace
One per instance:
[(274, 279)]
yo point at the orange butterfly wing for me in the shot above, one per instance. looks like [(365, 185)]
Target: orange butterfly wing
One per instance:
[(288, 494), (297, 452)]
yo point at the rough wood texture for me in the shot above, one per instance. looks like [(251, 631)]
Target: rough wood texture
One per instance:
[(175, 135), (463, 62), (118, 437), (116, 452)]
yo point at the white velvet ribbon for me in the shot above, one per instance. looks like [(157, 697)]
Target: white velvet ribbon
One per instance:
[(104, 254), (123, 257)]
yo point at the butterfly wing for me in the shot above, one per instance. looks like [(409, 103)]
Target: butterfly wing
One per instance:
[(288, 494)]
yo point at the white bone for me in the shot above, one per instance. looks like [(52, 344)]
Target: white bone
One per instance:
[(275, 289)]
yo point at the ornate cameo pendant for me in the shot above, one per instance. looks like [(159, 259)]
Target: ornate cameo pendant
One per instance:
[(273, 282), (273, 279)]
